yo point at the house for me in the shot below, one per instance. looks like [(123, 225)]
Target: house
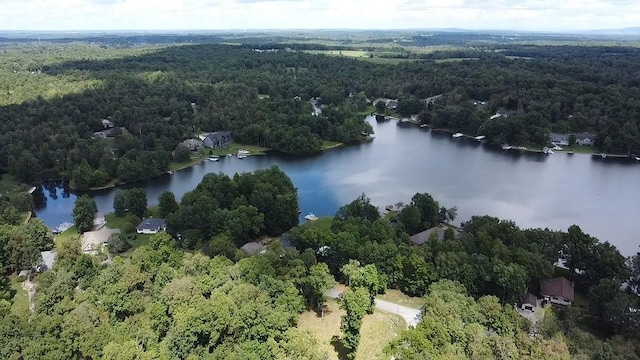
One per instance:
[(254, 248), (585, 139), (558, 291), (424, 236), (111, 132), (559, 139), (94, 241), (392, 104), (530, 302), (151, 226), (106, 123), (217, 139), (192, 144)]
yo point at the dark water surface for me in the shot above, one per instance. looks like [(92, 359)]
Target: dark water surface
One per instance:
[(602, 196)]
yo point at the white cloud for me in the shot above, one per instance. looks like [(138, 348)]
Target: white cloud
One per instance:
[(318, 14)]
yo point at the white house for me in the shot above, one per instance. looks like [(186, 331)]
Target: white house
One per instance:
[(151, 226), (530, 302)]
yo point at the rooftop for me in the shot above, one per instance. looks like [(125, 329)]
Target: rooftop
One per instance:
[(559, 286), (151, 224)]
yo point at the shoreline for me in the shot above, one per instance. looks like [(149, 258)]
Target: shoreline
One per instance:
[(567, 151)]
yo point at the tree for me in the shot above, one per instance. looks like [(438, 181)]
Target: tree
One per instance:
[(411, 219), (39, 234), (380, 107), (167, 203), (181, 154), (137, 201), (429, 209), (120, 202), (366, 277), (118, 243), (318, 282), (356, 304), (577, 250), (84, 212)]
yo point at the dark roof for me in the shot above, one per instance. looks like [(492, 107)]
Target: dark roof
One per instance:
[(422, 237), (585, 136), (151, 224), (530, 299), (559, 137), (557, 287), (219, 135)]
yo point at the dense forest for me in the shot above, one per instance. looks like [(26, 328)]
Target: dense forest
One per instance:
[(193, 293), (158, 97)]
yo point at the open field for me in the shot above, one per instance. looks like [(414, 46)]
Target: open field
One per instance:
[(233, 148), (377, 330), (175, 166)]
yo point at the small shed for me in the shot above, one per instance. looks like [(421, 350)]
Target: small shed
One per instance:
[(530, 302)]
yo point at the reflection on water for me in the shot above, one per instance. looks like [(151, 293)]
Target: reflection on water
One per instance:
[(535, 190)]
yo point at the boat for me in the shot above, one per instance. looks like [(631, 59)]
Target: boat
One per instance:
[(310, 217), (506, 147), (481, 137), (570, 153), (547, 151), (243, 152), (214, 158), (242, 156), (229, 155), (62, 228), (603, 155), (456, 135), (637, 158)]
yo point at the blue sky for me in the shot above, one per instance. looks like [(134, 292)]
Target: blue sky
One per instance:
[(545, 15)]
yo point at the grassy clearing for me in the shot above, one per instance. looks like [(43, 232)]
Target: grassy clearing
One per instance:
[(175, 166), (20, 301), (9, 185), (397, 297), (454, 60), (326, 144), (70, 233), (323, 223), (377, 330), (233, 148)]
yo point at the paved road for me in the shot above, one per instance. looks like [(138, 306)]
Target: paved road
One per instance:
[(410, 315)]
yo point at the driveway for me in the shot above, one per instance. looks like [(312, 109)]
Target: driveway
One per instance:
[(410, 315)]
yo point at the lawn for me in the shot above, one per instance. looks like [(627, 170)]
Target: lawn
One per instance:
[(70, 233), (323, 223), (326, 144), (20, 301), (397, 297), (175, 166), (378, 329), (9, 185), (233, 148)]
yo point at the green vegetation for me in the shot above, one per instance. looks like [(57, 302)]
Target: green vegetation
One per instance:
[(322, 224), (377, 330), (233, 148), (397, 297)]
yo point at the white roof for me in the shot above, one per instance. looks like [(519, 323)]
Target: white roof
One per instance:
[(92, 240)]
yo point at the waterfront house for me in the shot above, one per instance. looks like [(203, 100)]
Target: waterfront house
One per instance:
[(151, 226), (558, 291), (424, 236), (559, 139), (217, 139), (192, 144), (111, 132), (585, 139)]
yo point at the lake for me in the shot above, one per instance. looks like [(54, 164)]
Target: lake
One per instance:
[(602, 196)]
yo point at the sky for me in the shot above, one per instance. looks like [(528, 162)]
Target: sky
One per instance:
[(537, 15)]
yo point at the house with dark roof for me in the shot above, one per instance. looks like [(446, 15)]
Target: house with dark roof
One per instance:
[(107, 124), (424, 236), (254, 248), (558, 291), (217, 139), (151, 226), (192, 144), (585, 139)]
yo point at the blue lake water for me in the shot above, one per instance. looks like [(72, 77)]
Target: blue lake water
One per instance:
[(602, 196)]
